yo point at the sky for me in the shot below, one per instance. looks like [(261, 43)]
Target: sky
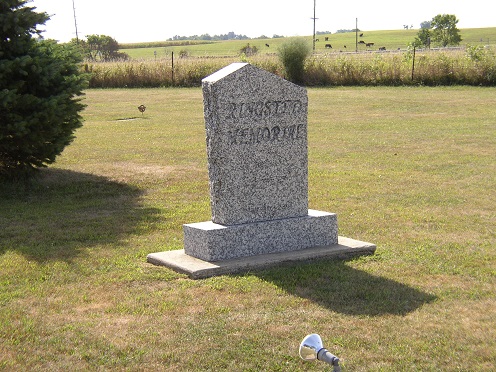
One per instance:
[(158, 20)]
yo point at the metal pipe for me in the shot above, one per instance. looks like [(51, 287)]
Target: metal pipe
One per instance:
[(325, 356)]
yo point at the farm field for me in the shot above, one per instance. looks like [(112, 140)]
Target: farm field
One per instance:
[(411, 169), (390, 39)]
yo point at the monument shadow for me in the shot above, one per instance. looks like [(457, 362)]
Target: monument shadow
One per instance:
[(341, 288), (59, 213)]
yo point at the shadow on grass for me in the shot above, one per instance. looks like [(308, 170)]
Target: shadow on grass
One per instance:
[(60, 213), (343, 289)]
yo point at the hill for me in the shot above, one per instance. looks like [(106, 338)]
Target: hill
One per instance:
[(340, 42)]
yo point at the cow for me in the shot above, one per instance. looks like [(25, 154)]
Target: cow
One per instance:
[(267, 45), (327, 38), (361, 35), (382, 48), (328, 46), (369, 44), (361, 42)]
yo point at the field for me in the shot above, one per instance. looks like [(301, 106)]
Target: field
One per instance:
[(411, 169), (391, 40), (473, 63)]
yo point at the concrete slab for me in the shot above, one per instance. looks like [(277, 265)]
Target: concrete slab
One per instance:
[(198, 269)]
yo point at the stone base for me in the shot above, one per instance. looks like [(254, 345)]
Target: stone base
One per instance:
[(209, 241), (197, 269)]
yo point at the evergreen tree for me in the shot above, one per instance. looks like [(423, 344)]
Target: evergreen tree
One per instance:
[(40, 86)]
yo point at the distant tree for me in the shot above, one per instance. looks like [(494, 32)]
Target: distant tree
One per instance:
[(423, 37), (425, 24), (249, 50), (40, 82), (444, 30), (101, 48), (293, 54)]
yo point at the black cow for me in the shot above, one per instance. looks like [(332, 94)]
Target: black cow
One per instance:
[(329, 46)]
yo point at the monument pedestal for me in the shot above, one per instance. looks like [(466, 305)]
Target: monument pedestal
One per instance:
[(214, 242)]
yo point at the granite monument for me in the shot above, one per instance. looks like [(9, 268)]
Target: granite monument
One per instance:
[(257, 151)]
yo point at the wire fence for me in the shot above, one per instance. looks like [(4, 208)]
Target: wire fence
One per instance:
[(446, 66)]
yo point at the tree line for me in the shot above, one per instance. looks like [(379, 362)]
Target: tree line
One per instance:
[(229, 36)]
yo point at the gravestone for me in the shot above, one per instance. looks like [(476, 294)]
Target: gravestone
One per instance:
[(256, 138), (256, 133), (256, 126)]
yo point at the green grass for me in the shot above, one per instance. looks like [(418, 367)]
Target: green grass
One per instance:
[(391, 39), (409, 169), (229, 48)]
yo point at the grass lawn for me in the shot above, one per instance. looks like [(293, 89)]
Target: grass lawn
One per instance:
[(412, 170)]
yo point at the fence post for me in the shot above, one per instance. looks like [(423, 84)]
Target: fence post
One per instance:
[(172, 68), (413, 64)]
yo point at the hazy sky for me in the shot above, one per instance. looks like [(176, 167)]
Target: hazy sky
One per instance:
[(157, 20)]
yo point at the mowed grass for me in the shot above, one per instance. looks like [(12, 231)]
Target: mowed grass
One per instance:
[(409, 169)]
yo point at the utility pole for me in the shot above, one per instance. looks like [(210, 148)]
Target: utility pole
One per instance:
[(75, 23), (314, 24), (356, 35)]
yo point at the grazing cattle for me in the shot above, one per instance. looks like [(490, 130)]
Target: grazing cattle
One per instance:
[(361, 35), (345, 47), (369, 44), (316, 39), (142, 109), (267, 45), (327, 38), (382, 48), (361, 42), (328, 46)]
